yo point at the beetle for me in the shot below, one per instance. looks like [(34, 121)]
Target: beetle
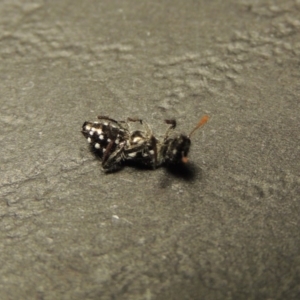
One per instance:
[(114, 142)]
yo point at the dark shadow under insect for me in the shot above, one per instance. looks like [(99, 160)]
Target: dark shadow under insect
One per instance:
[(188, 172), (116, 144)]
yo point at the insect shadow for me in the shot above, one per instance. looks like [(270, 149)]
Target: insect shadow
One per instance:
[(186, 171)]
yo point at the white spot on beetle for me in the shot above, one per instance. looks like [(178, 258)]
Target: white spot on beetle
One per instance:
[(89, 140), (101, 137), (97, 146), (137, 139), (132, 154)]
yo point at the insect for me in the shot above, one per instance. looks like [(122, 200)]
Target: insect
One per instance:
[(114, 142)]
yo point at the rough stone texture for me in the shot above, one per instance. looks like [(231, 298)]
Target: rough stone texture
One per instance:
[(225, 228)]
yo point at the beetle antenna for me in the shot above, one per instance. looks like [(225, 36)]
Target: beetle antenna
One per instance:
[(200, 124)]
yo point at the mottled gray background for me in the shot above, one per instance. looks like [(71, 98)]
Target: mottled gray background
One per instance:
[(227, 227)]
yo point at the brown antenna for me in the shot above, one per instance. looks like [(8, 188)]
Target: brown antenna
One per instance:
[(204, 119), (200, 124)]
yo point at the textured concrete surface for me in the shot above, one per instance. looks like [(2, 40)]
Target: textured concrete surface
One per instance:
[(227, 227)]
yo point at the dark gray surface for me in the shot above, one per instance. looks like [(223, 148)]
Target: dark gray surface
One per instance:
[(226, 229)]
